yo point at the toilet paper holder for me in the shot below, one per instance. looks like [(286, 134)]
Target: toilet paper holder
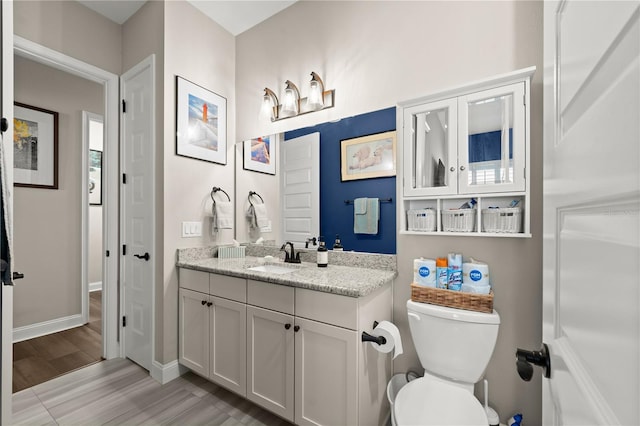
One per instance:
[(366, 337)]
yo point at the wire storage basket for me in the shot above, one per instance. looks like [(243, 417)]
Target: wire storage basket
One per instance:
[(502, 220), (423, 220), (459, 220), (452, 299)]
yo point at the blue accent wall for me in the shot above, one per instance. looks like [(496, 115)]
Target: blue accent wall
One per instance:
[(336, 217)]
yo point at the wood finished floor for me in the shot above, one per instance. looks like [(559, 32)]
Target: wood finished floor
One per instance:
[(119, 392), (41, 359)]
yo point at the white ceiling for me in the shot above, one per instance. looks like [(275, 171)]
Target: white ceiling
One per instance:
[(236, 16)]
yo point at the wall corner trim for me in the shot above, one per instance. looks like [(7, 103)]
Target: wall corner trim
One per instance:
[(46, 327), (164, 373)]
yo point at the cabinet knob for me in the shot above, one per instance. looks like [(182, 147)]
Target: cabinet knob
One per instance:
[(452, 169), (204, 302), (287, 326), (209, 304), (461, 167), (296, 328)]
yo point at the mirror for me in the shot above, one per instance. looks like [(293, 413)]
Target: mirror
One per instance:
[(336, 215), (490, 140)]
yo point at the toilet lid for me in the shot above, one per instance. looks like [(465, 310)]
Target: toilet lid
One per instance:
[(429, 402)]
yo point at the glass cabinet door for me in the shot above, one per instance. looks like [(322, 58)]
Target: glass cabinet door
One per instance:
[(430, 153), (492, 140)]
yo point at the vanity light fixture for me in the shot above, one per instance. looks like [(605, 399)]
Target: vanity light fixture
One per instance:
[(293, 104), (269, 110)]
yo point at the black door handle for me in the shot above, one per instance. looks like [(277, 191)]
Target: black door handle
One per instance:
[(18, 276), (4, 125), (525, 358), (145, 256)]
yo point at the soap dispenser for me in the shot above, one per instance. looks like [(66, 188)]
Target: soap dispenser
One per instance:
[(323, 254), (337, 246)]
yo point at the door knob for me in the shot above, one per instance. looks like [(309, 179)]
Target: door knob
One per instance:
[(462, 168), (287, 326), (296, 328), (525, 358), (453, 169), (144, 256)]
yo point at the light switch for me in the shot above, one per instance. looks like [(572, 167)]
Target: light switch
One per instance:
[(191, 229)]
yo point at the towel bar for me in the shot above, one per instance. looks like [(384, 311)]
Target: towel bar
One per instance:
[(382, 200)]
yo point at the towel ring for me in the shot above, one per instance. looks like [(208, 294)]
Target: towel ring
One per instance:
[(251, 193), (217, 189)]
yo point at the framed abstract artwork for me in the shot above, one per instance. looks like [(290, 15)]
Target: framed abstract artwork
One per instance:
[(259, 154), (35, 147), (201, 123)]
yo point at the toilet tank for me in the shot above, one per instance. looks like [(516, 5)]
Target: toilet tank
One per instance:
[(453, 343)]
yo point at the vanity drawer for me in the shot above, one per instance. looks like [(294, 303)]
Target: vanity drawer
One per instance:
[(194, 280), (271, 296), (327, 307), (228, 287)]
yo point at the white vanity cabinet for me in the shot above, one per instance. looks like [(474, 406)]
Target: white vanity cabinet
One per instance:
[(464, 143), (212, 328), (304, 357)]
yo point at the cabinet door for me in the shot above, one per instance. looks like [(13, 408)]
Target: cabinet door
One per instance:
[(270, 363), (326, 374), (194, 331), (491, 131), (430, 160), (228, 344)]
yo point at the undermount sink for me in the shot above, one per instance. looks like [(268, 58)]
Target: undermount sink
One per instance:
[(272, 269)]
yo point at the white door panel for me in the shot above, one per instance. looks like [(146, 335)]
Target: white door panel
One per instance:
[(6, 292), (138, 200), (591, 242), (300, 188)]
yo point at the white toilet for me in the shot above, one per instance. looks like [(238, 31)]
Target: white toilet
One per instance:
[(454, 347)]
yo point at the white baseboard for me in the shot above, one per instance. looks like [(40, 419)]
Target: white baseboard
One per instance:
[(97, 286), (47, 327), (167, 372)]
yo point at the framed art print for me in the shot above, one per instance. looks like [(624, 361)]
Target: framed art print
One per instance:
[(35, 147), (259, 154), (201, 123), (368, 157), (95, 177)]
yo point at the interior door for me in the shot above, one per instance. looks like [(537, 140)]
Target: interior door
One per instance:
[(6, 170), (591, 242), (138, 219), (300, 188)]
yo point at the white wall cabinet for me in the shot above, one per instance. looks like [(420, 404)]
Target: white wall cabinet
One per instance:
[(310, 368), (464, 143)]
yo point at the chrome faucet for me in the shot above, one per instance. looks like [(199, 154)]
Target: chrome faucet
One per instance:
[(290, 258)]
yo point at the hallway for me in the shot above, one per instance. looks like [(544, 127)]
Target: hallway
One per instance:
[(43, 358)]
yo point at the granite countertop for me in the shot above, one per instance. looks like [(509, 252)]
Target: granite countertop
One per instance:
[(338, 279)]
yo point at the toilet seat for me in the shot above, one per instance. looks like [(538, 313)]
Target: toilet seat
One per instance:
[(425, 402)]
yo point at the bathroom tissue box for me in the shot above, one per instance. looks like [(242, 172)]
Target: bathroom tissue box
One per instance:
[(453, 299)]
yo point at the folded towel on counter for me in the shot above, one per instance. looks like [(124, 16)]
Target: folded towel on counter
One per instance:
[(366, 214), (258, 216), (223, 215)]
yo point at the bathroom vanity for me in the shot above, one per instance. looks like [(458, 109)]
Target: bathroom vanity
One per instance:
[(287, 336)]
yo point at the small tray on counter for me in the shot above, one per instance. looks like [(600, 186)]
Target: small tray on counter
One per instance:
[(452, 299)]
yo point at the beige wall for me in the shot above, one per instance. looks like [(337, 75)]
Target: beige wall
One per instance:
[(376, 54), (70, 28), (47, 227), (199, 50)]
